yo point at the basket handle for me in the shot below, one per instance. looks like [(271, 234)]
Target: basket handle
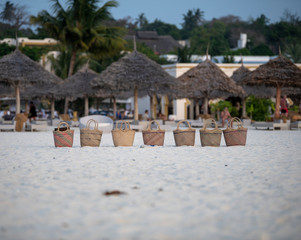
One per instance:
[(179, 123), (89, 123), (210, 120), (235, 119), (126, 123), (61, 123), (150, 125)]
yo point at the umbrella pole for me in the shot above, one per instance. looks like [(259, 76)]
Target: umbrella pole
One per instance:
[(151, 106), (244, 107), (205, 107), (26, 106), (66, 105), (86, 106), (191, 109), (154, 108), (136, 103), (17, 98), (278, 93), (114, 107), (197, 109)]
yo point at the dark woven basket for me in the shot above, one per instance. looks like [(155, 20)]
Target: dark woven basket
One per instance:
[(210, 138), (184, 137), (235, 136), (153, 137)]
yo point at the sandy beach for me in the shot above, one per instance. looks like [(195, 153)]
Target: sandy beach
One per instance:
[(251, 192)]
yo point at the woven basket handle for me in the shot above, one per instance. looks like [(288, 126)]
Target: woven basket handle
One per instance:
[(235, 119), (210, 120), (89, 123), (126, 124), (150, 125), (62, 123), (179, 123)]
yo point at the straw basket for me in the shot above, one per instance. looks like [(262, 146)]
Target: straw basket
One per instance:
[(90, 137), (153, 137), (123, 137), (63, 137), (209, 137), (184, 137), (237, 136)]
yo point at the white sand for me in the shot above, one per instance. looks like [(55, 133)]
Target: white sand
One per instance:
[(251, 192)]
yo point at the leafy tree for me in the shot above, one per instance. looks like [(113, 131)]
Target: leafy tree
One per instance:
[(293, 51), (184, 55), (80, 28), (261, 50), (193, 19), (259, 109), (141, 21), (163, 29), (8, 12), (14, 15)]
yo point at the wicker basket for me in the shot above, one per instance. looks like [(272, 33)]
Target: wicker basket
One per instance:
[(153, 137), (123, 137), (212, 137), (237, 136), (184, 137), (63, 137), (90, 137)]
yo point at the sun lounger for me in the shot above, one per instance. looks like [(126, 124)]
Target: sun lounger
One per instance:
[(264, 125), (8, 125), (295, 125)]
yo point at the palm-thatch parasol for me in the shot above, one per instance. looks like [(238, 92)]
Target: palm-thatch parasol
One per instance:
[(206, 78), (258, 91), (279, 72), (79, 86), (18, 70), (135, 71)]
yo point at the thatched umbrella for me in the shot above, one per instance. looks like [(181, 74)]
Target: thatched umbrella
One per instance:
[(279, 72), (135, 71), (206, 78), (258, 91), (18, 70)]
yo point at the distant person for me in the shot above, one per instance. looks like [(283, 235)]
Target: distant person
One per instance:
[(225, 115), (161, 116), (145, 116), (32, 112), (283, 106)]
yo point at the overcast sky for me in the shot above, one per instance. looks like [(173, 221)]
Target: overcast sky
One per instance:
[(171, 11)]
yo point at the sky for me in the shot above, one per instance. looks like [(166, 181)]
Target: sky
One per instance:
[(172, 11)]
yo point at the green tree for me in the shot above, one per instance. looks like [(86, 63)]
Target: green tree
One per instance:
[(193, 19), (141, 21), (163, 29), (293, 51), (184, 55), (8, 12), (80, 27)]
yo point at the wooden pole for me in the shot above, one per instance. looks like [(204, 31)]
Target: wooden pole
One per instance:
[(197, 109), (191, 109), (114, 107), (155, 106), (17, 98), (277, 110), (136, 103), (26, 106), (66, 105), (205, 106), (86, 106), (151, 106), (52, 108)]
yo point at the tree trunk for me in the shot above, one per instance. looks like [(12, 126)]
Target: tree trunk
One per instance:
[(277, 110), (136, 103), (197, 109), (244, 107), (154, 109), (191, 109), (86, 106), (18, 98), (72, 63), (114, 107), (205, 106)]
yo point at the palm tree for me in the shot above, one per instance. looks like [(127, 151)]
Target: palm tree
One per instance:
[(81, 28)]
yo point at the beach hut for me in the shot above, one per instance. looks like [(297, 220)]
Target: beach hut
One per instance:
[(258, 91), (79, 86), (18, 70), (278, 73), (132, 72), (206, 78)]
